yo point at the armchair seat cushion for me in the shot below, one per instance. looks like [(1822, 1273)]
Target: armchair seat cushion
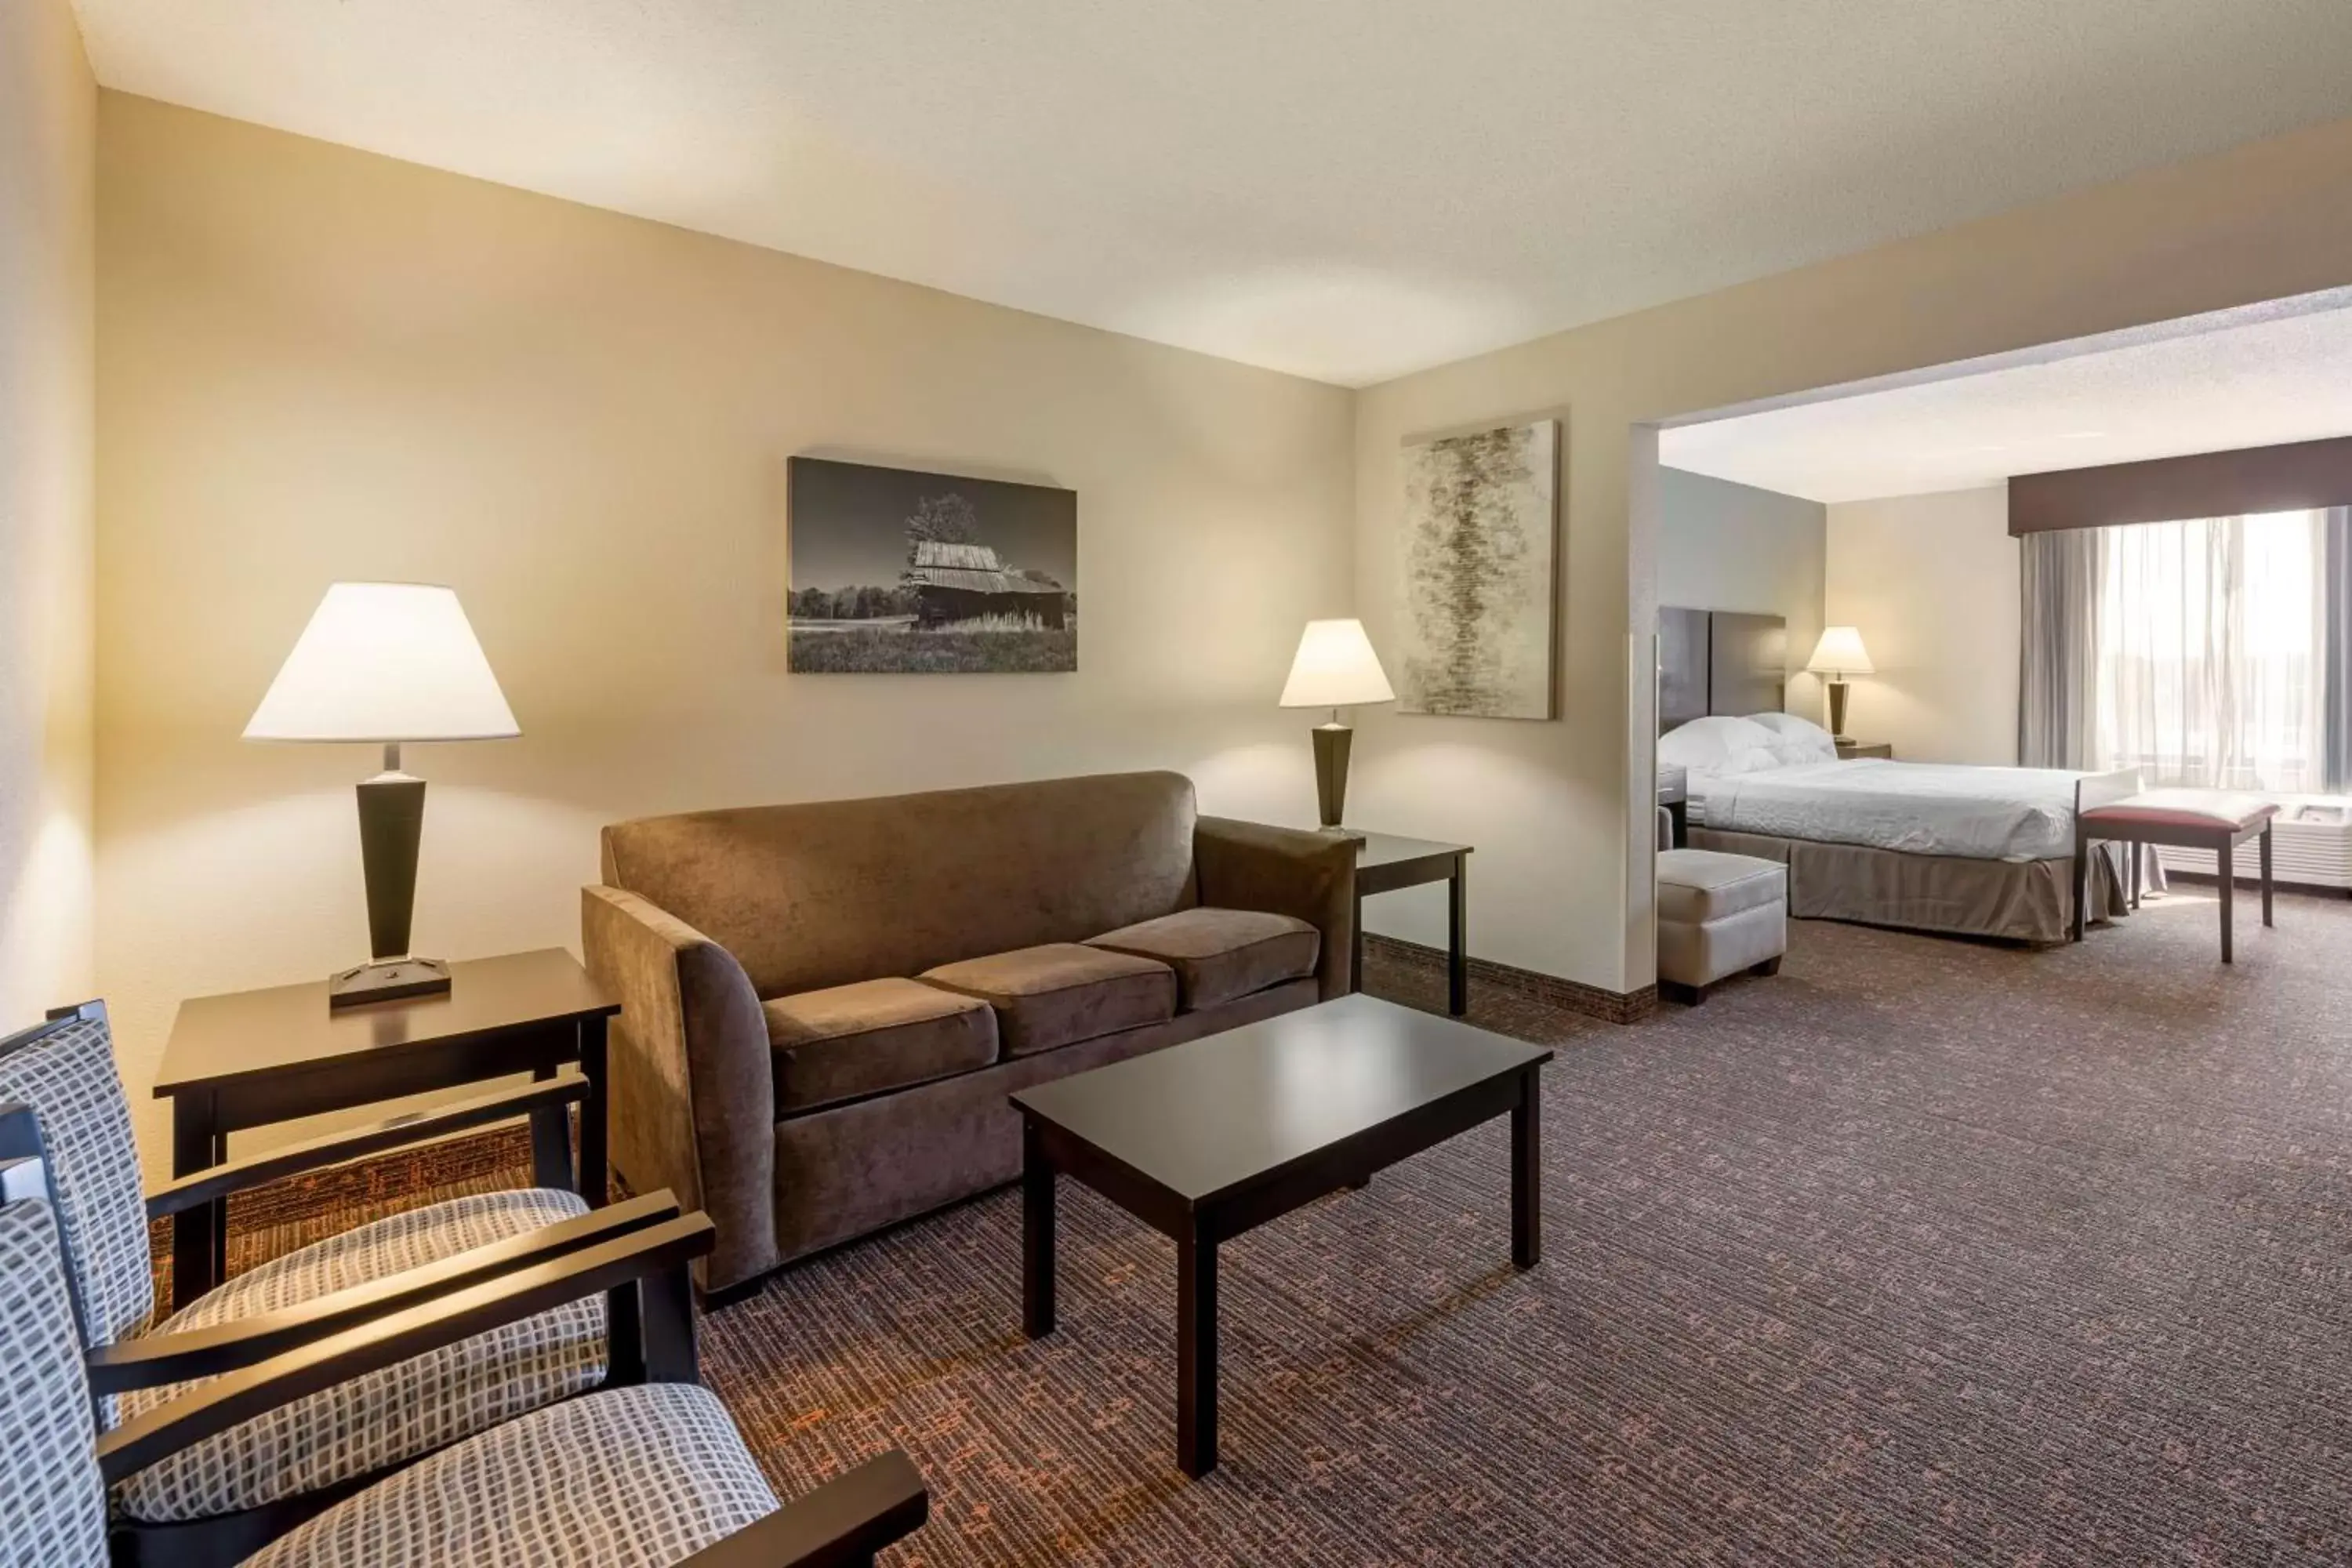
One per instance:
[(848, 1041), (395, 1413), (1220, 955), (1063, 993), (628, 1478)]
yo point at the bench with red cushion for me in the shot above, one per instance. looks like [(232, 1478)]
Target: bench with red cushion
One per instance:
[(2214, 819)]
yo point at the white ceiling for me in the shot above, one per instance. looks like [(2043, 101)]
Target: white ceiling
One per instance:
[(1349, 189), (2288, 379)]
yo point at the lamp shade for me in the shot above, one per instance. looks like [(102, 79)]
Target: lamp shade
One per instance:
[(1336, 667), (1840, 652), (384, 661)]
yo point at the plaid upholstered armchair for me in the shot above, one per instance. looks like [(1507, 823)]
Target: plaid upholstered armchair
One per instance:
[(637, 1477), (214, 1500)]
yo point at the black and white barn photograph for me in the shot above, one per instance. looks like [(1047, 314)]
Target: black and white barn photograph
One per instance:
[(897, 572)]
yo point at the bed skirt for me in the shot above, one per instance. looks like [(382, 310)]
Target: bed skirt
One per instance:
[(2019, 900)]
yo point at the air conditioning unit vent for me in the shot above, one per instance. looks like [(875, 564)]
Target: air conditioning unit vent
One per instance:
[(2311, 845)]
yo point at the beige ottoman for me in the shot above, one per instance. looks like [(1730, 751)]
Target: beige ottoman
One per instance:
[(1717, 914)]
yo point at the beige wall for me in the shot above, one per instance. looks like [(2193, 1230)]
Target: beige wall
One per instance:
[(314, 363), (1930, 581), (1559, 811), (317, 363), (1727, 546), (48, 108)]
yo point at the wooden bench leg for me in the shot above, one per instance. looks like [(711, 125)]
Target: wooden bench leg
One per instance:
[(2266, 874), (2225, 863), (2137, 852), (2081, 879)]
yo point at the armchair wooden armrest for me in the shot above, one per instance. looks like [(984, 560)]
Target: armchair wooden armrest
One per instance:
[(152, 1360), (842, 1524), (568, 1087), (651, 1253)]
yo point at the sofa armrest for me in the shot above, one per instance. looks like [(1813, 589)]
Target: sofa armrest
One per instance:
[(1284, 871), (693, 1086)]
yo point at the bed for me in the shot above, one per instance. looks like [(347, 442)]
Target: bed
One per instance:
[(1974, 851)]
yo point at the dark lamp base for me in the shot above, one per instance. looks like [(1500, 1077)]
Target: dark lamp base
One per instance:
[(391, 981), (1331, 768)]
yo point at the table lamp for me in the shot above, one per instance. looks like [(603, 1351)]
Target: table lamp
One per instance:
[(1334, 668), (386, 662), (1839, 654)]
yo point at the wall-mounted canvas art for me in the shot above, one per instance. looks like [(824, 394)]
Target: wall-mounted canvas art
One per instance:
[(900, 572), (1480, 522)]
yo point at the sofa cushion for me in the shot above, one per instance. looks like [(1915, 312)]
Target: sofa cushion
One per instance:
[(1052, 995), (851, 1040), (1695, 886), (1219, 954)]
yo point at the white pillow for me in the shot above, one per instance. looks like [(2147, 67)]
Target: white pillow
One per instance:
[(1719, 744), (1796, 740)]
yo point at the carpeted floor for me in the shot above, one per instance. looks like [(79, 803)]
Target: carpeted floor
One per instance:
[(1925, 1251)]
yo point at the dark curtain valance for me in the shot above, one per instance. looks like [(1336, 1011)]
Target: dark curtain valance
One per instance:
[(2302, 474)]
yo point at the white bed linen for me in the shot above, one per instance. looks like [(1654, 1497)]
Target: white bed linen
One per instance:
[(1922, 808)]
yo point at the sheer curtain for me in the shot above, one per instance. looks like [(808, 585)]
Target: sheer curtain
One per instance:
[(2336, 673), (2212, 639), (2063, 580)]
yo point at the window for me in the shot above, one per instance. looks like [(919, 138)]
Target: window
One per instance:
[(2210, 642)]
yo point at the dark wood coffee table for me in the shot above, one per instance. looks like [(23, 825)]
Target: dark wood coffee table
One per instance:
[(1206, 1139)]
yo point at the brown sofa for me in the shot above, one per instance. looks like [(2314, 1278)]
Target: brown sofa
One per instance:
[(823, 1007)]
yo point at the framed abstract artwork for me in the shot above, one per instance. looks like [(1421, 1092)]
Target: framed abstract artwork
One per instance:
[(1481, 529)]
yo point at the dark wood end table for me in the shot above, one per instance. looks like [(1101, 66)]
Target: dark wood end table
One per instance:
[(1385, 862), (1207, 1140), (250, 1059)]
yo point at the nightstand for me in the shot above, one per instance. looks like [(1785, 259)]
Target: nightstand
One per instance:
[(1865, 749), (256, 1058)]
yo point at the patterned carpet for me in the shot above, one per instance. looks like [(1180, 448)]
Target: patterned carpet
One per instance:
[(1925, 1251)]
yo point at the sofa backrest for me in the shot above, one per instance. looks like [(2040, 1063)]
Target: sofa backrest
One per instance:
[(834, 891)]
